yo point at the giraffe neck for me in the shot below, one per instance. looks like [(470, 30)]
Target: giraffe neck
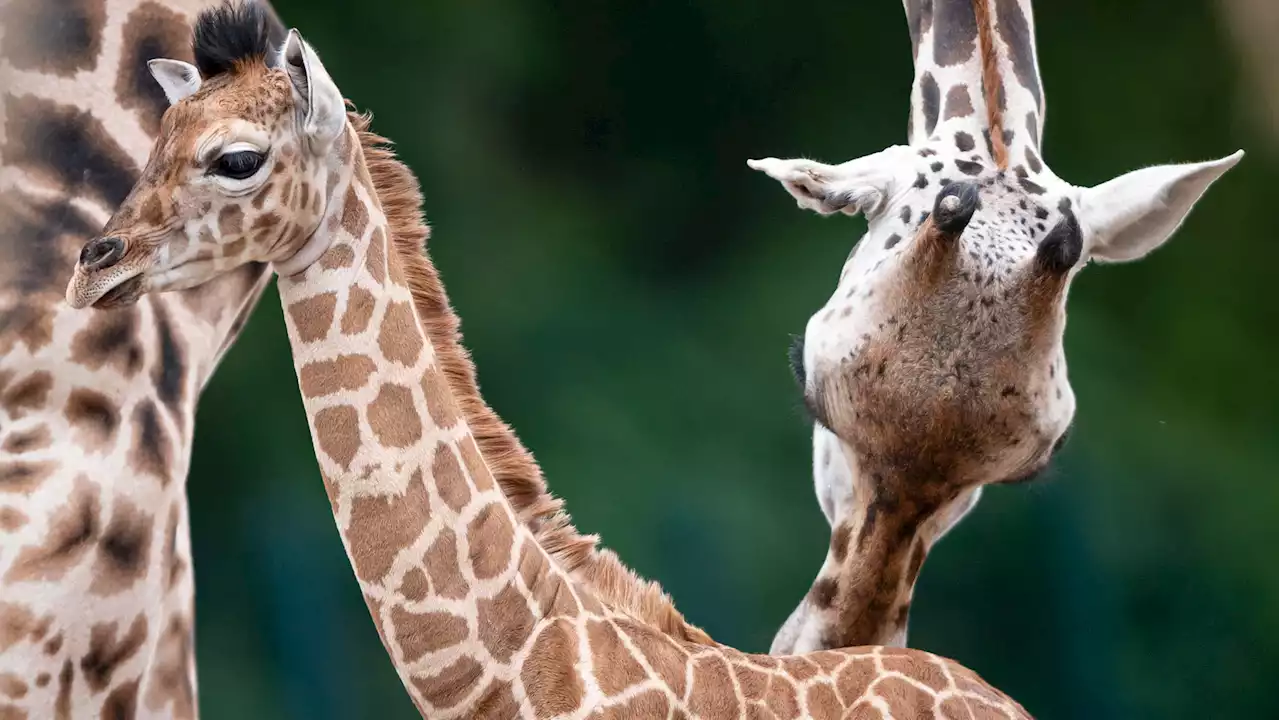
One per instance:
[(862, 595), (479, 618), (976, 72), (97, 409), (447, 568)]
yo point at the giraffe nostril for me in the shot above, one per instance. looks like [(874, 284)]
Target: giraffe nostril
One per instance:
[(102, 253)]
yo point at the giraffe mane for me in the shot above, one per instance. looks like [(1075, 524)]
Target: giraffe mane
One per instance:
[(512, 465), (992, 84)]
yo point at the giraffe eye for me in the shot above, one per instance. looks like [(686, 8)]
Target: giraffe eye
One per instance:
[(239, 165)]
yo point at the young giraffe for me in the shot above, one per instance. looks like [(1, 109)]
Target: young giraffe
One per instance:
[(96, 412), (479, 611), (937, 365)]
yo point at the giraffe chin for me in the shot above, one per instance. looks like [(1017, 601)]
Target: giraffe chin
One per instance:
[(122, 295)]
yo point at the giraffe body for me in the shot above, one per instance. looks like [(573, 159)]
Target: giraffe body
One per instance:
[(481, 611), (96, 413), (937, 365)]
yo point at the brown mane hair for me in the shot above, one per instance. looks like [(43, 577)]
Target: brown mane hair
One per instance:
[(992, 84), (513, 466)]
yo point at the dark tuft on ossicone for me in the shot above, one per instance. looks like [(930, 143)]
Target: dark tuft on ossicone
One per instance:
[(234, 32)]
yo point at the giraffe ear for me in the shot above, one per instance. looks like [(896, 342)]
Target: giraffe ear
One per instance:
[(1129, 216), (857, 186), (178, 79), (319, 100)]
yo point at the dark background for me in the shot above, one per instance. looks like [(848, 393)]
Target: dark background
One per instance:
[(628, 286)]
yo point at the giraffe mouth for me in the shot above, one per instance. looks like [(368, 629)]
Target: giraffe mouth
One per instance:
[(126, 293)]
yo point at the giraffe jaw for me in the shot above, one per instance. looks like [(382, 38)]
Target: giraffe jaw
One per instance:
[(89, 289), (122, 295)]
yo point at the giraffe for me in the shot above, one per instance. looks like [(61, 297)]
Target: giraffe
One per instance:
[(96, 413), (259, 160), (937, 365)]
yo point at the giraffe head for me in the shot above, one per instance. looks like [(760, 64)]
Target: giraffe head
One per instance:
[(939, 361), (239, 172)]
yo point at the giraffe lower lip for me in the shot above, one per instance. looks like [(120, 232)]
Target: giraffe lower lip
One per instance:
[(126, 293)]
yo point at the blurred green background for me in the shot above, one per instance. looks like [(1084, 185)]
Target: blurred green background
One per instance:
[(627, 287)]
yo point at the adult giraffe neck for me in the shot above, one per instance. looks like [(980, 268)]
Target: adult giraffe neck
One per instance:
[(97, 409)]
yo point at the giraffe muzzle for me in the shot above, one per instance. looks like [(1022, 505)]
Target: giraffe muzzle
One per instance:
[(102, 253)]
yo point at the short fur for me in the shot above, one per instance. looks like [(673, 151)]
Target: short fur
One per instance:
[(514, 468), (234, 33)]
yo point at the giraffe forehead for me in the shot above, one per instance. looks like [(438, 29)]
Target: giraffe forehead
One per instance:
[(253, 94), (878, 294)]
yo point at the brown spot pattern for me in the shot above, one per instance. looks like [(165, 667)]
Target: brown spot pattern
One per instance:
[(505, 623), (420, 633), (549, 679), (123, 550), (360, 306), (662, 654), (442, 566), (712, 694), (449, 480), (111, 340), (313, 317), (904, 699), (375, 260), (854, 679), (12, 685), (29, 393), (340, 255), (355, 217), (382, 525), (489, 536), (107, 652), (66, 677), (21, 476), (440, 400), (152, 449), (72, 531), (171, 674), (496, 703), (60, 38), (414, 585), (959, 104), (481, 477), (399, 337), (449, 686), (393, 417), (27, 440), (338, 433), (16, 622), (93, 413), (325, 377), (122, 703), (822, 703), (12, 519), (615, 668), (151, 31)]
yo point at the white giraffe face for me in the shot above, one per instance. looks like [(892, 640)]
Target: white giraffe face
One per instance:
[(938, 359)]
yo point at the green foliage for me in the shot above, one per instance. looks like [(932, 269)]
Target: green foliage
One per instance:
[(627, 287)]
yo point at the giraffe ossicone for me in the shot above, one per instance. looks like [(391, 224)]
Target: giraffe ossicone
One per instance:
[(937, 365), (480, 609)]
